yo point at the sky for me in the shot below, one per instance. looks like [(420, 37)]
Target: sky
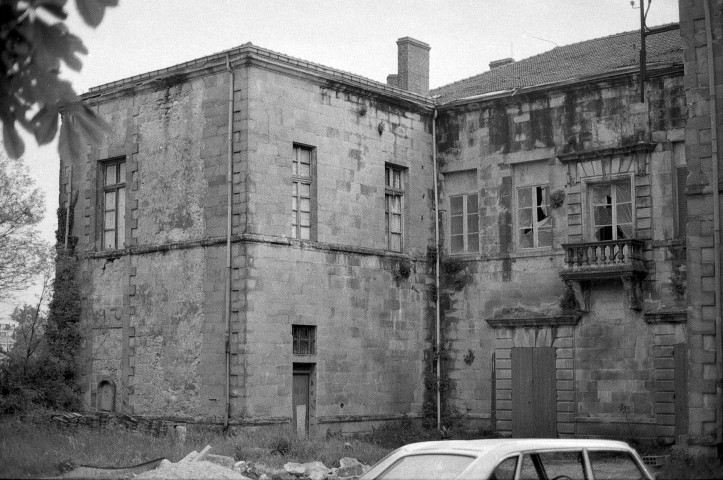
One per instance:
[(358, 36)]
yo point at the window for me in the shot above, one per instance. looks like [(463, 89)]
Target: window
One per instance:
[(533, 217), (393, 192), (114, 204), (304, 337), (301, 179), (612, 210), (464, 223)]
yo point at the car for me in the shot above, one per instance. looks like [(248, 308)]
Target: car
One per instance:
[(512, 459)]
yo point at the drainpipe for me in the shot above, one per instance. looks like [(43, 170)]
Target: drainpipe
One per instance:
[(716, 217), (229, 199), (436, 270)]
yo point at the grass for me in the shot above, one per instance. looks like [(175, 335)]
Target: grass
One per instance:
[(30, 450)]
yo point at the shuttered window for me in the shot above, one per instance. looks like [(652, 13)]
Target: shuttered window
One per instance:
[(304, 337)]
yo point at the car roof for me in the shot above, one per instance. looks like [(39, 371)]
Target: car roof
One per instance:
[(504, 446)]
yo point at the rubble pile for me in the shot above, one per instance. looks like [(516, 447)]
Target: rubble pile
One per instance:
[(203, 465)]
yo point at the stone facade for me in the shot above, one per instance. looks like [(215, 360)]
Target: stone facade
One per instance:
[(578, 290), (567, 141), (154, 306)]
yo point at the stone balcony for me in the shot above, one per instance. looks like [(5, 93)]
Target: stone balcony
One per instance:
[(605, 260)]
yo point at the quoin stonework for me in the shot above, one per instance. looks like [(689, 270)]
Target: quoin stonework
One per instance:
[(257, 241)]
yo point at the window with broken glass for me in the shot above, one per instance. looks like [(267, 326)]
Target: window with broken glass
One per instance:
[(464, 224), (114, 204), (612, 210), (304, 337), (394, 194), (533, 217), (301, 180)]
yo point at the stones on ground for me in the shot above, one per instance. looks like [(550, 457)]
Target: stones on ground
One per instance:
[(311, 470), (349, 467), (222, 460), (193, 470)]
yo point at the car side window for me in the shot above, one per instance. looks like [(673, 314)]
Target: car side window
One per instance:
[(505, 470), (614, 465), (553, 465)]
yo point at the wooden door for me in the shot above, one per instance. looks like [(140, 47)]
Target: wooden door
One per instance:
[(534, 392), (300, 403)]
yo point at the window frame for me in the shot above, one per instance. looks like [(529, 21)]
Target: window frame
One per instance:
[(393, 191), (465, 224), (119, 227), (535, 227), (298, 180), (309, 340), (590, 225)]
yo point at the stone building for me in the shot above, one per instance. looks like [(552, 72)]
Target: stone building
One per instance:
[(257, 242)]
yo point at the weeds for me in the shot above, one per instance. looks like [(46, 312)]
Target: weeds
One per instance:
[(684, 467)]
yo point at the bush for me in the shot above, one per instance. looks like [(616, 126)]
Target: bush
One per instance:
[(684, 467)]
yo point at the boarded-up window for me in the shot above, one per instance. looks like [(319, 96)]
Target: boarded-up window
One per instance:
[(302, 181), (304, 337), (533, 217), (394, 195), (114, 204), (464, 223)]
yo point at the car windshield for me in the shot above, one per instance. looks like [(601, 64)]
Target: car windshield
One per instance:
[(432, 466)]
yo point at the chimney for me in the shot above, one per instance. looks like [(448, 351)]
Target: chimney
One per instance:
[(413, 65), (500, 63), (393, 80)]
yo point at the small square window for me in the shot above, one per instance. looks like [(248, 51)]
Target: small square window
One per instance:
[(304, 338)]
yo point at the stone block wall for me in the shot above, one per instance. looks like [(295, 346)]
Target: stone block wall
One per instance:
[(705, 426), (353, 136)]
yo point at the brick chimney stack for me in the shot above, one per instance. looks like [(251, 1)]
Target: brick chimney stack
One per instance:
[(413, 66)]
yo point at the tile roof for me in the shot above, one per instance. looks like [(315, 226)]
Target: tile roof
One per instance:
[(579, 60)]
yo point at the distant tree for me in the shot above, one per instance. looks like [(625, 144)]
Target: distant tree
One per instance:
[(22, 253), (32, 320), (33, 43)]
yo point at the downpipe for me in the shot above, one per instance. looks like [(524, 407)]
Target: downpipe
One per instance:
[(229, 216), (436, 272)]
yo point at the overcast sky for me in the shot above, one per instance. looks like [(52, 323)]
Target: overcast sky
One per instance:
[(357, 36)]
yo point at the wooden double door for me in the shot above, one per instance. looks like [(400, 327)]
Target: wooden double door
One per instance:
[(534, 392)]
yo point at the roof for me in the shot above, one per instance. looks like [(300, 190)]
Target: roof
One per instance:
[(249, 52), (576, 61)]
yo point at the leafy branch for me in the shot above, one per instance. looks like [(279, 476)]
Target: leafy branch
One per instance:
[(34, 42)]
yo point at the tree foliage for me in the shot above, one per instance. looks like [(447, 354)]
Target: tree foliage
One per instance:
[(22, 253), (34, 42)]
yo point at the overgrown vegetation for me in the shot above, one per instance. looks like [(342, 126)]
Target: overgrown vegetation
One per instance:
[(689, 467), (40, 369)]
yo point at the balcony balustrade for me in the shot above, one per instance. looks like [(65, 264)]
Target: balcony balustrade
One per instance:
[(605, 259), (609, 259)]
